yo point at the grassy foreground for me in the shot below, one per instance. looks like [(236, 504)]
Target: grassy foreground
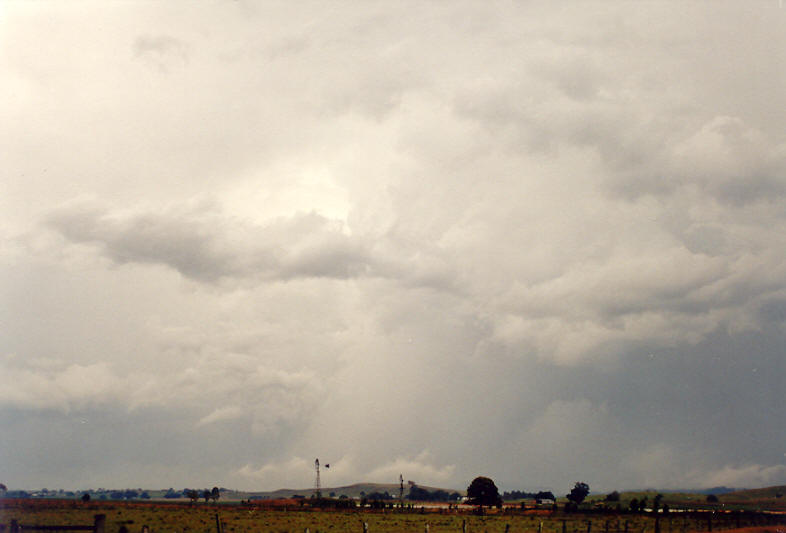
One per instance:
[(163, 517)]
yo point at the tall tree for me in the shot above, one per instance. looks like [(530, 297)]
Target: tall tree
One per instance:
[(482, 491), (579, 492)]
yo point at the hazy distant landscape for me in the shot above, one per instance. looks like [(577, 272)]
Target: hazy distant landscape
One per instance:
[(743, 511), (774, 496), (360, 490)]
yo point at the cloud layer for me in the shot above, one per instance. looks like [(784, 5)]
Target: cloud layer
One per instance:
[(539, 244)]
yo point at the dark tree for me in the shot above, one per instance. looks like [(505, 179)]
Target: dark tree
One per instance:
[(85, 497), (613, 496), (642, 504), (579, 492), (545, 495), (482, 491), (634, 505), (192, 495), (215, 494), (422, 495), (206, 495), (656, 503), (712, 498)]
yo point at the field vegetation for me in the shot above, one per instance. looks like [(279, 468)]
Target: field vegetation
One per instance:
[(288, 516)]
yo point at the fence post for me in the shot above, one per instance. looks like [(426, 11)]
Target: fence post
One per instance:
[(626, 526), (99, 523), (426, 529), (14, 526), (540, 527), (657, 524), (589, 526), (507, 528), (365, 527), (565, 526), (464, 526), (218, 524), (709, 523)]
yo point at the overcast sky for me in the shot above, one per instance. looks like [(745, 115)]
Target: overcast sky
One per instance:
[(542, 242)]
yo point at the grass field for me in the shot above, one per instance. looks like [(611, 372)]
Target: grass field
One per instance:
[(168, 517)]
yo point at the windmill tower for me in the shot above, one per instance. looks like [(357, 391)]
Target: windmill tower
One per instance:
[(401, 490), (317, 487)]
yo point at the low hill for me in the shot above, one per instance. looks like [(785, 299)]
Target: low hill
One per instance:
[(357, 490), (768, 498), (776, 492)]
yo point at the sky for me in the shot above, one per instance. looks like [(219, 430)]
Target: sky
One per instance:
[(537, 241)]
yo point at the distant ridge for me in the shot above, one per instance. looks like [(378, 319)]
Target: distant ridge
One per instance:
[(712, 490), (776, 491), (356, 490)]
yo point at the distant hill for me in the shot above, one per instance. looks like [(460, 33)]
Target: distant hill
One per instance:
[(717, 491), (357, 490), (769, 498), (714, 490), (777, 492)]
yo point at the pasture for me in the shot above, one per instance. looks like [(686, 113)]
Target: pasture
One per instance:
[(234, 517)]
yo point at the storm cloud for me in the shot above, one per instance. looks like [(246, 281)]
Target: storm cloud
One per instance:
[(539, 243)]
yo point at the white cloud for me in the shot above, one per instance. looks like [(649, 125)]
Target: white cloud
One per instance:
[(732, 160), (63, 387), (420, 468), (746, 475), (280, 474), (222, 413), (161, 51), (346, 470)]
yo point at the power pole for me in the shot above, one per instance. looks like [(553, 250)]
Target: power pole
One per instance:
[(401, 490)]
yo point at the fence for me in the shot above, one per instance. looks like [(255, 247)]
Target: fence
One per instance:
[(98, 526), (680, 522), (698, 522)]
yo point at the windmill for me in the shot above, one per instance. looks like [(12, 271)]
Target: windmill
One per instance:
[(317, 488), (401, 490), (317, 485)]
